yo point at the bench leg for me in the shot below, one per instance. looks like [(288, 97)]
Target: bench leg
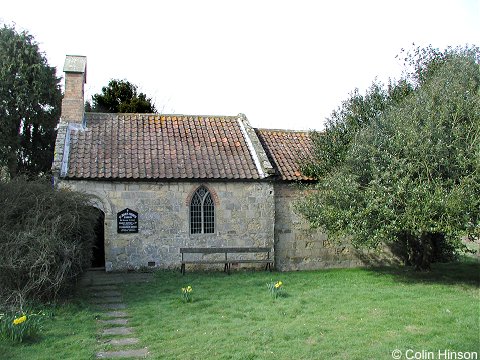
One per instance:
[(227, 268), (182, 269)]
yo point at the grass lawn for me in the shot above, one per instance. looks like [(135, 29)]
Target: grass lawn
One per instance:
[(69, 334), (333, 314)]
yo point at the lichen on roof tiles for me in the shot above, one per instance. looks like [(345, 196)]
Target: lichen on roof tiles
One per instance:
[(287, 150), (129, 146)]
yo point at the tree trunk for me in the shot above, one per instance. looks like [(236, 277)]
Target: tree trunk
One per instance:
[(424, 258), (12, 165)]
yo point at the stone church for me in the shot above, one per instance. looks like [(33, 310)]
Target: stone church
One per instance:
[(187, 181)]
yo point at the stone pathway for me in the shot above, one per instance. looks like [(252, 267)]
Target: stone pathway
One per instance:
[(115, 335)]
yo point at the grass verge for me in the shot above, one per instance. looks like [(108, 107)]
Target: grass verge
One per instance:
[(70, 333)]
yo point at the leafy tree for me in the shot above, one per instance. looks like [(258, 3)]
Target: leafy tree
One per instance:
[(30, 98), (331, 146), (409, 175), (120, 96)]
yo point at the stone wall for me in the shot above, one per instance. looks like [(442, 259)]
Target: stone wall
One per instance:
[(244, 213), (297, 247)]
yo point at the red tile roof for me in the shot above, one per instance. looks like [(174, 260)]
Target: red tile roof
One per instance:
[(143, 146), (286, 151)]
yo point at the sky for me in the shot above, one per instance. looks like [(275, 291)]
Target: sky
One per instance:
[(284, 64)]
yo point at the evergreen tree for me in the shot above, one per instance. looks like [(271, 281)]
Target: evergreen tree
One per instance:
[(120, 96), (30, 99)]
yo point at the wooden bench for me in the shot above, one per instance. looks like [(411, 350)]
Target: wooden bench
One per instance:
[(226, 260)]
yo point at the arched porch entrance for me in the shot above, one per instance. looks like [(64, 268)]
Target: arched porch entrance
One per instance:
[(98, 250)]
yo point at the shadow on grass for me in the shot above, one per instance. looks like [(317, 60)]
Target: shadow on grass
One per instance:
[(6, 349), (465, 272)]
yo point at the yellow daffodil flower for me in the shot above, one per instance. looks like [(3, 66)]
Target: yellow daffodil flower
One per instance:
[(19, 320)]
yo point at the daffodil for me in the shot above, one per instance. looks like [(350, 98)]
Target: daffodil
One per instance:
[(19, 320), (186, 291)]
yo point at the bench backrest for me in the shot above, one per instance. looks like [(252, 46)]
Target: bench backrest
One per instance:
[(213, 250)]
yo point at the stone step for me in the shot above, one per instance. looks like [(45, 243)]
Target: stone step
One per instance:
[(112, 306), (114, 322), (116, 314), (99, 288), (105, 283), (138, 277), (106, 293), (105, 300), (122, 342), (140, 353), (117, 331)]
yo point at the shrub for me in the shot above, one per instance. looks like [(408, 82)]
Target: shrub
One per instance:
[(46, 238)]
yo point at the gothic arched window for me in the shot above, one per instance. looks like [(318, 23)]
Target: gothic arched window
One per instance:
[(202, 212)]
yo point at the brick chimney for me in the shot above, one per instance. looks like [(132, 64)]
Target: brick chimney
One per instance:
[(75, 69)]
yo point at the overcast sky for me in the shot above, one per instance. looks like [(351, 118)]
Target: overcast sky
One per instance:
[(284, 64)]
